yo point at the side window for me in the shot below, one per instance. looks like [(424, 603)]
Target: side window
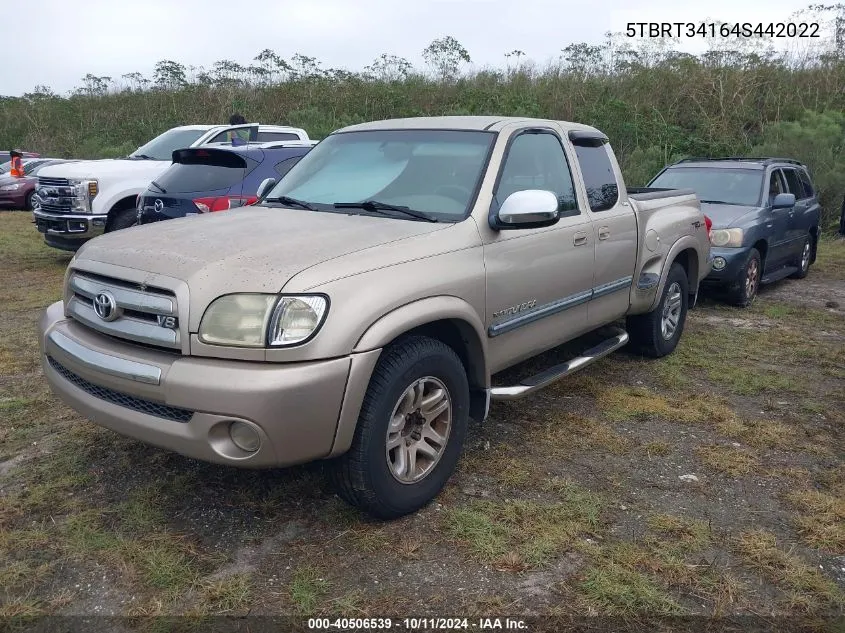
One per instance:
[(776, 185), (599, 177), (284, 166), (808, 186), (535, 160), (793, 183), (267, 137)]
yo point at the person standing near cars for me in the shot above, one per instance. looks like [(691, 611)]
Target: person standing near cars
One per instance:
[(17, 164), (234, 138)]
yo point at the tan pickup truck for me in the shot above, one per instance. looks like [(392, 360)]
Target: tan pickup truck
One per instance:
[(359, 311)]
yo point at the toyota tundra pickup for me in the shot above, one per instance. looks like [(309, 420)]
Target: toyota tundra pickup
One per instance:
[(80, 200), (359, 312)]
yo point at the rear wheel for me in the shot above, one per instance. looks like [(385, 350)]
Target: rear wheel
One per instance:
[(804, 260), (657, 333), (122, 219), (744, 289), (410, 431)]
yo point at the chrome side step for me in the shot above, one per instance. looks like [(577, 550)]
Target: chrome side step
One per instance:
[(553, 374)]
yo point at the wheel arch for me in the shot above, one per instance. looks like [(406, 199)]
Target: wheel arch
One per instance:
[(122, 204), (445, 318)]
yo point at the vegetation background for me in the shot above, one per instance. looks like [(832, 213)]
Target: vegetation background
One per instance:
[(742, 96)]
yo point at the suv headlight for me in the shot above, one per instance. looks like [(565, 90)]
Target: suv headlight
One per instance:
[(84, 191), (261, 320), (731, 238)]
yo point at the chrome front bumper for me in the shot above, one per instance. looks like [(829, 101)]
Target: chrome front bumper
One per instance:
[(68, 231), (188, 404)]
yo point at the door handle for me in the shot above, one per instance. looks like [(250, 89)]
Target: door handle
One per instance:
[(579, 239), (604, 233)]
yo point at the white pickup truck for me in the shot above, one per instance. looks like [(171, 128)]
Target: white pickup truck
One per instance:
[(80, 200)]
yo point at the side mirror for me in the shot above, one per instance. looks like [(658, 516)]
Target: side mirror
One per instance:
[(266, 185), (784, 201), (528, 209)]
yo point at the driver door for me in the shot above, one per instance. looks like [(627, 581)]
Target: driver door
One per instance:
[(539, 280)]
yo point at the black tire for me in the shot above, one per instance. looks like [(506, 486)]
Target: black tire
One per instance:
[(804, 259), (28, 203), (646, 330), (362, 476), (742, 291), (121, 219)]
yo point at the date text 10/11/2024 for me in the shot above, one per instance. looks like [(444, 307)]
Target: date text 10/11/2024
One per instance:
[(417, 624), (713, 29)]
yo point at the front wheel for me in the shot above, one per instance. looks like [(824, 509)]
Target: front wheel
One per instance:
[(804, 261), (122, 219), (657, 333), (32, 203), (410, 430), (744, 289)]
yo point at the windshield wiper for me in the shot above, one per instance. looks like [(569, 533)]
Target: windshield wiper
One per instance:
[(158, 186), (375, 205), (292, 202)]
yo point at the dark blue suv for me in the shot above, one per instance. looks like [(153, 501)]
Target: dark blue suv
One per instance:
[(206, 179), (765, 214)]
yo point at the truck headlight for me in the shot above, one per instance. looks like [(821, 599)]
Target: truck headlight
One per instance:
[(84, 191), (731, 238), (259, 320)]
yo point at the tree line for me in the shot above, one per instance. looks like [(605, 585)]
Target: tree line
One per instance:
[(656, 103)]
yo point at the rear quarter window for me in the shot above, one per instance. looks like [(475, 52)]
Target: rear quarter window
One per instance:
[(598, 174), (809, 192)]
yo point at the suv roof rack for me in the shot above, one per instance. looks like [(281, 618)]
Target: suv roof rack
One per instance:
[(765, 160)]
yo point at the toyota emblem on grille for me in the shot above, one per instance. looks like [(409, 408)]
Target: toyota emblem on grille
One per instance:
[(158, 205), (105, 306)]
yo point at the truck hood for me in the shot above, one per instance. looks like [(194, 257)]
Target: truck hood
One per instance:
[(105, 169), (726, 216), (247, 250)]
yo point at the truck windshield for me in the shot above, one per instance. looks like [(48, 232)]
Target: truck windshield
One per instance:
[(711, 184), (163, 145), (435, 172)]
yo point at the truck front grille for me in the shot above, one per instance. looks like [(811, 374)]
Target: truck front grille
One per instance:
[(125, 310), (148, 407), (55, 194)]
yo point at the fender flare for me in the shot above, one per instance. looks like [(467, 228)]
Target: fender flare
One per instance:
[(682, 244), (429, 310)]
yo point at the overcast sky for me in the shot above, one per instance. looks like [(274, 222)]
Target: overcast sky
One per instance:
[(62, 40)]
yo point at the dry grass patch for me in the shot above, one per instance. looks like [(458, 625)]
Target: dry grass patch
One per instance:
[(692, 532), (640, 403), (821, 523), (517, 535), (225, 595), (760, 433), (728, 459), (805, 587)]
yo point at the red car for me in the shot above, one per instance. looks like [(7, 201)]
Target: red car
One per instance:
[(19, 193)]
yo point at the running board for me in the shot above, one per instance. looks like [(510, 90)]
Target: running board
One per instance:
[(781, 273), (553, 374)]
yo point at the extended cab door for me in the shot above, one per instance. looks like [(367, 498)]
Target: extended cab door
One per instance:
[(538, 279), (615, 227)]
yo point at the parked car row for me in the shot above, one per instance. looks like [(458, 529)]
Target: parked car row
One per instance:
[(356, 307), (19, 193), (83, 199)]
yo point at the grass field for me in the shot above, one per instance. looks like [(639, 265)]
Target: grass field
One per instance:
[(710, 482)]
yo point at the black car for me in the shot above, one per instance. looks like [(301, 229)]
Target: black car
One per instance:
[(765, 214), (209, 179)]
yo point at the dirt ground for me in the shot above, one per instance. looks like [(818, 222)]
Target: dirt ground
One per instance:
[(711, 482)]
